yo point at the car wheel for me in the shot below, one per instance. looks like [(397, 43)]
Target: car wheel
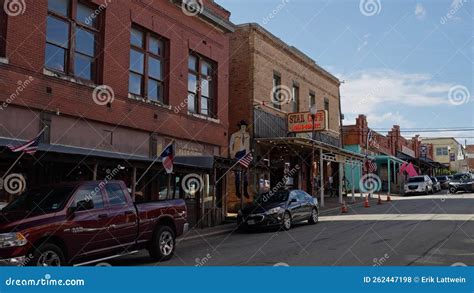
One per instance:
[(452, 190), (314, 217), (47, 255), (286, 225), (163, 244)]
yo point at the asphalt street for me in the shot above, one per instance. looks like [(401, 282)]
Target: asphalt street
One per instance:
[(436, 230)]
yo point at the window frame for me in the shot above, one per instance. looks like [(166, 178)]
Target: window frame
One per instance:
[(312, 99), (213, 83), (70, 52), (3, 30), (276, 84), (295, 99), (147, 54)]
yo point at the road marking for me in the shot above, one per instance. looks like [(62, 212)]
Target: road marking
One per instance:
[(398, 217)]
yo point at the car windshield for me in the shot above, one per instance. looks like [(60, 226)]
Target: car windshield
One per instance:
[(279, 196), (416, 179), (40, 200), (462, 177)]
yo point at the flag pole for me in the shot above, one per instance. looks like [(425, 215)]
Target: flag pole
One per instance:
[(151, 165), (229, 170), (22, 154)]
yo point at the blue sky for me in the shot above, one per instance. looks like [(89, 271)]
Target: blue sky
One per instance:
[(404, 62)]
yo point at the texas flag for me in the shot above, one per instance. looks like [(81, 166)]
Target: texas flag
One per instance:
[(167, 157)]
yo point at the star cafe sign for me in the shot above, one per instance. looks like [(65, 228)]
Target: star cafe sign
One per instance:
[(303, 122)]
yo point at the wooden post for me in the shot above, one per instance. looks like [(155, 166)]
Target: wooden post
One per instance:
[(94, 172), (341, 181)]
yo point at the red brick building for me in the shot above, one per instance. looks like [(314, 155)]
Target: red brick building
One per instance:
[(115, 82)]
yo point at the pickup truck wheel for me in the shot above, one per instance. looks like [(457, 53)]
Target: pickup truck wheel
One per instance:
[(48, 255), (163, 244)]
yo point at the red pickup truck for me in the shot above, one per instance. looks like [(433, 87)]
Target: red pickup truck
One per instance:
[(84, 223)]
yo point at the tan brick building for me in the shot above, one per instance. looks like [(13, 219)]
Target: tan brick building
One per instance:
[(268, 80)]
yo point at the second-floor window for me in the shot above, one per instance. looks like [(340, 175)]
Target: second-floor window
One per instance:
[(72, 39), (312, 99), (277, 91), (442, 151), (295, 98), (201, 86), (147, 65)]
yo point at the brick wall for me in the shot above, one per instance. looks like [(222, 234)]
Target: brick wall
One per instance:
[(25, 52)]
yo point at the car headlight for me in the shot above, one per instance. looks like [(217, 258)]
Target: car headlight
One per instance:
[(274, 210), (12, 240)]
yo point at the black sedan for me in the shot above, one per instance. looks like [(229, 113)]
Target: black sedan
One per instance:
[(281, 208), (462, 183)]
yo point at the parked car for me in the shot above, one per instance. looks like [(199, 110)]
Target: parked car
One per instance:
[(444, 181), (463, 182), (281, 208), (82, 223), (418, 185), (436, 184)]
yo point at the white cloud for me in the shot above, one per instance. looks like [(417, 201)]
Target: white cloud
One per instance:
[(420, 11)]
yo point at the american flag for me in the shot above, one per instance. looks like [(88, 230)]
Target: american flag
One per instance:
[(30, 147), (246, 160), (370, 166)]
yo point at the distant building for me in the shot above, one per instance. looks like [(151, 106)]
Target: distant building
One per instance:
[(449, 152)]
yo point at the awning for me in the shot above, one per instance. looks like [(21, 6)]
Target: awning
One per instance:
[(387, 157), (202, 162), (308, 144)]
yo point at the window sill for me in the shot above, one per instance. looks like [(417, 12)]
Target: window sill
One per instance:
[(4, 60), (210, 119), (146, 101), (68, 78)]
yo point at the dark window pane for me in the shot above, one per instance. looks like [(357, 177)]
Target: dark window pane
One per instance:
[(86, 15), (155, 90), (57, 32), (55, 58), (116, 195), (204, 106), (59, 6), (205, 86), (87, 194), (135, 84), (85, 42), (136, 38), (154, 68), (192, 63), (191, 103), (156, 46), (136, 61), (83, 66), (192, 83)]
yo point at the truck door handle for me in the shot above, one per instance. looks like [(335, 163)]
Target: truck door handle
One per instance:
[(103, 216)]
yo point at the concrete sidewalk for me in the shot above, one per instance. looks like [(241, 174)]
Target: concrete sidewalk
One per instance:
[(331, 207)]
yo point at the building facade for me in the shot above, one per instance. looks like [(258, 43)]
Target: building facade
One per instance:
[(269, 81), (449, 152), (470, 157), (112, 83)]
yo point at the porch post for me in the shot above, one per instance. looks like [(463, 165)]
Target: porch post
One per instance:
[(341, 181), (389, 175), (321, 176), (352, 180), (94, 173)]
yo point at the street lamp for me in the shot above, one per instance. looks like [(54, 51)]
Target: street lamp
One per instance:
[(313, 111)]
